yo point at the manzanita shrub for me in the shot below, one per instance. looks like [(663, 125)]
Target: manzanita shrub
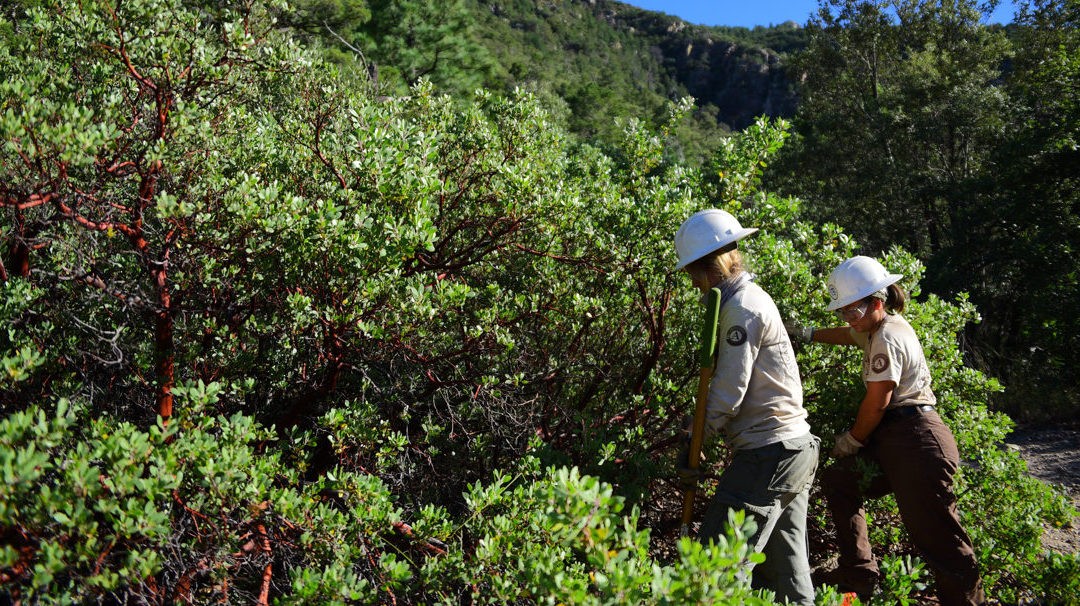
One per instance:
[(270, 335), (204, 510)]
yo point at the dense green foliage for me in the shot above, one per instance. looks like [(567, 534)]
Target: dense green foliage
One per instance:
[(198, 511), (273, 335), (1028, 225)]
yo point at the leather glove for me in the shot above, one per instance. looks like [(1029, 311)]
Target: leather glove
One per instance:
[(798, 333), (846, 445), (688, 478)]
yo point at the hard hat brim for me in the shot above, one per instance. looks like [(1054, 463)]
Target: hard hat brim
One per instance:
[(866, 292), (715, 246)]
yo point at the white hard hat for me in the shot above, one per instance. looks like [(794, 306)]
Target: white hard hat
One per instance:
[(855, 279), (707, 231)]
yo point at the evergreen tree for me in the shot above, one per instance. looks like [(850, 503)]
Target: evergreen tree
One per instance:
[(899, 113), (412, 39), (1021, 264)]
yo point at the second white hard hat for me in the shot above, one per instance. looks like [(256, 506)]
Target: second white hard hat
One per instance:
[(707, 231), (857, 278)]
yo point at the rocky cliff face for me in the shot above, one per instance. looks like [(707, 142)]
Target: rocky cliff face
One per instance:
[(742, 80), (607, 57)]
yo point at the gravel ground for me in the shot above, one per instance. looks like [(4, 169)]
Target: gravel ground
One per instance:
[(1052, 453)]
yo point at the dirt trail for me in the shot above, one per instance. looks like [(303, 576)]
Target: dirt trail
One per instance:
[(1053, 455)]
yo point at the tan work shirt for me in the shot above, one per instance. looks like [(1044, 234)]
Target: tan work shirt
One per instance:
[(893, 353), (755, 396)]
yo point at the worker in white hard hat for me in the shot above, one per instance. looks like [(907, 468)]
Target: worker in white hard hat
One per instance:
[(898, 430), (755, 400)]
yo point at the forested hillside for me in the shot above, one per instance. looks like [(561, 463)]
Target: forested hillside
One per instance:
[(591, 63), (342, 302)]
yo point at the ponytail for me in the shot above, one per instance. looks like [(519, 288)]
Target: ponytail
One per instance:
[(895, 299)]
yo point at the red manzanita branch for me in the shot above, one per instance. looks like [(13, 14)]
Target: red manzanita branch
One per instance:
[(20, 249), (654, 324), (398, 343), (120, 169), (182, 593), (122, 53), (11, 201), (569, 260), (427, 546), (101, 558), (105, 226), (268, 572), (320, 123), (163, 319), (195, 515)]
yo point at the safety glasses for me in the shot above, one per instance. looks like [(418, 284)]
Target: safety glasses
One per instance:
[(852, 314)]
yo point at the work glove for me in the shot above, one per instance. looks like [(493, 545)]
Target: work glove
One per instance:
[(846, 445), (798, 333), (688, 478)]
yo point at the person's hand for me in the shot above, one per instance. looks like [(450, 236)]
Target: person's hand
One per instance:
[(846, 445), (688, 478), (686, 426), (799, 333)]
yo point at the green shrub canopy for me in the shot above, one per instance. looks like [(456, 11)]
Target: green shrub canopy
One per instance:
[(273, 336)]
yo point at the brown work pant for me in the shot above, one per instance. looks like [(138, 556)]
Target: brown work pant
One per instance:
[(917, 456)]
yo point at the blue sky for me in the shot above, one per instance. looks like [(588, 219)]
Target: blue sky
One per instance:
[(748, 13)]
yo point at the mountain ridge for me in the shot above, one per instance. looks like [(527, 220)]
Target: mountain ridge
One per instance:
[(731, 68)]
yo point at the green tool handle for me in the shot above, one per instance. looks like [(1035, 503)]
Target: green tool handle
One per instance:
[(697, 432)]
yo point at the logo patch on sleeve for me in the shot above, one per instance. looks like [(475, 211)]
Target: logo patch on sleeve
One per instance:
[(879, 363), (736, 335)]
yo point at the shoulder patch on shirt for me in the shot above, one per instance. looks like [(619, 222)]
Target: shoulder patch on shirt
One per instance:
[(879, 363), (736, 335)]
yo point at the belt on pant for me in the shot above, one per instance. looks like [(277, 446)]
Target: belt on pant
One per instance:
[(905, 412)]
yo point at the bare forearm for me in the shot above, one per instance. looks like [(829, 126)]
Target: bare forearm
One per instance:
[(839, 335), (866, 421), (872, 409)]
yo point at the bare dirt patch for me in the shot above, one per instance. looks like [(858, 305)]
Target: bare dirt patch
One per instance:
[(1052, 453)]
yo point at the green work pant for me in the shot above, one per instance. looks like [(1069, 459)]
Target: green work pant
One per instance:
[(772, 485)]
